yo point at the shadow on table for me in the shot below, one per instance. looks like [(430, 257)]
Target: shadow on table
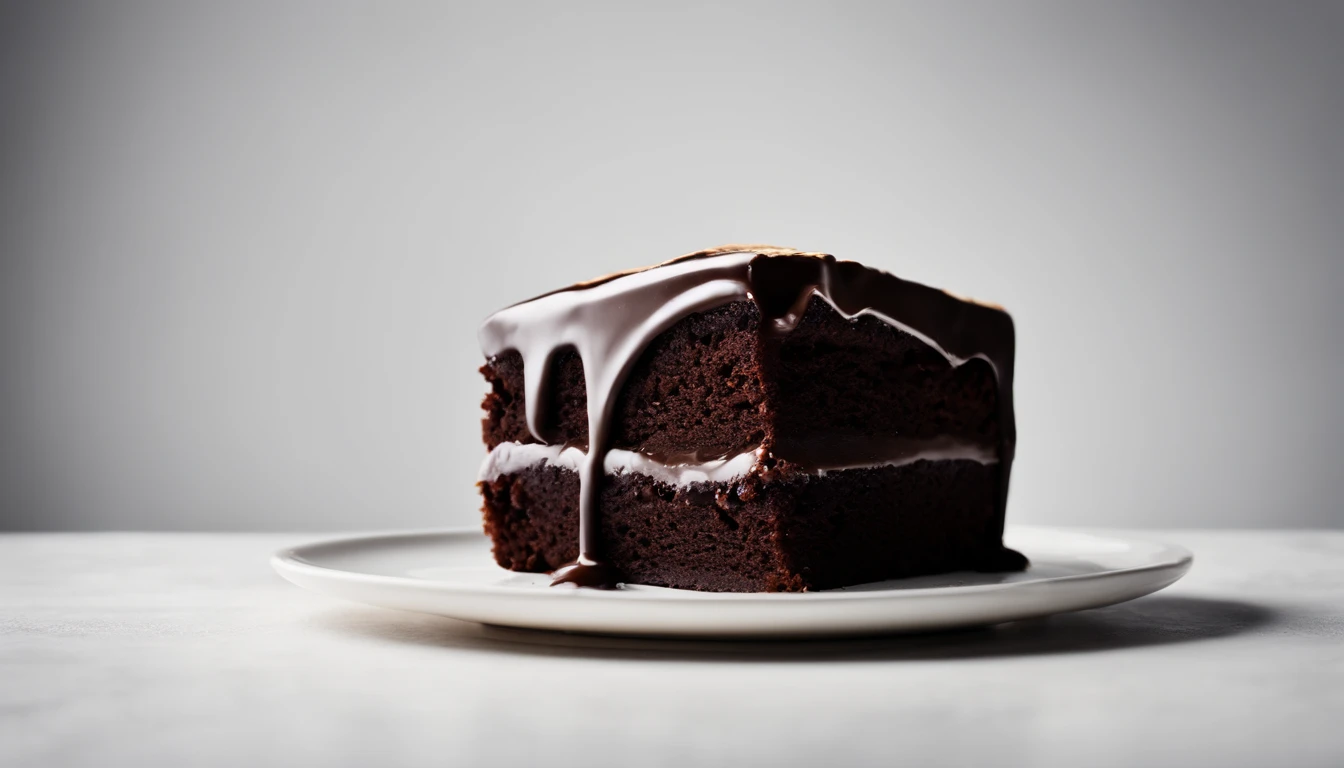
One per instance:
[(1150, 621)]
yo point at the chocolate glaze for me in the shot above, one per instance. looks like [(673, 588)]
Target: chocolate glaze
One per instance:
[(611, 320)]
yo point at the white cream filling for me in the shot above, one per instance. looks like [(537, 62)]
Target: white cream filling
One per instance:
[(511, 457)]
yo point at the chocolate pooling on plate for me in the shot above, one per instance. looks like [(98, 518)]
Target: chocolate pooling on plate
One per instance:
[(610, 321)]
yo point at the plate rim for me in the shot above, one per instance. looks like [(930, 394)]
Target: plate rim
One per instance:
[(1170, 558)]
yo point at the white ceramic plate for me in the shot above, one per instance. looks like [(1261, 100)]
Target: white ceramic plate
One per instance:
[(451, 573)]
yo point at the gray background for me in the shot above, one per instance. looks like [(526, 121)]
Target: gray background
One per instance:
[(246, 245)]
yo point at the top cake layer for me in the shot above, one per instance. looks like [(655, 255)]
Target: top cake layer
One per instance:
[(710, 386), (800, 320)]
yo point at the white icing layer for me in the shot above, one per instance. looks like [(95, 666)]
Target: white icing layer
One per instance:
[(511, 458)]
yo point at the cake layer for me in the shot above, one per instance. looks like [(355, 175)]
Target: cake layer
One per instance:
[(712, 385), (805, 532)]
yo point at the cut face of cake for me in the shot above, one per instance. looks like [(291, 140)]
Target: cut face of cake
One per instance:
[(748, 419)]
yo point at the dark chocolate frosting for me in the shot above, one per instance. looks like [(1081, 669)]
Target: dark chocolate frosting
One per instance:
[(611, 320)]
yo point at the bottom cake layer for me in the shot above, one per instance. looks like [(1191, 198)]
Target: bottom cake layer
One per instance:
[(804, 532)]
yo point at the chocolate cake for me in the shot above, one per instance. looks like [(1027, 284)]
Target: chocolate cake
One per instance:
[(747, 419)]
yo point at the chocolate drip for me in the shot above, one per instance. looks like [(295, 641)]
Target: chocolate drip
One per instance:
[(586, 573), (611, 320)]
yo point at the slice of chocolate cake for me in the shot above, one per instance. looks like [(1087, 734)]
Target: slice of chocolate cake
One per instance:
[(748, 419)]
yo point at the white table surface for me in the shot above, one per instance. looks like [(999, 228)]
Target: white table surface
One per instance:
[(185, 649)]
